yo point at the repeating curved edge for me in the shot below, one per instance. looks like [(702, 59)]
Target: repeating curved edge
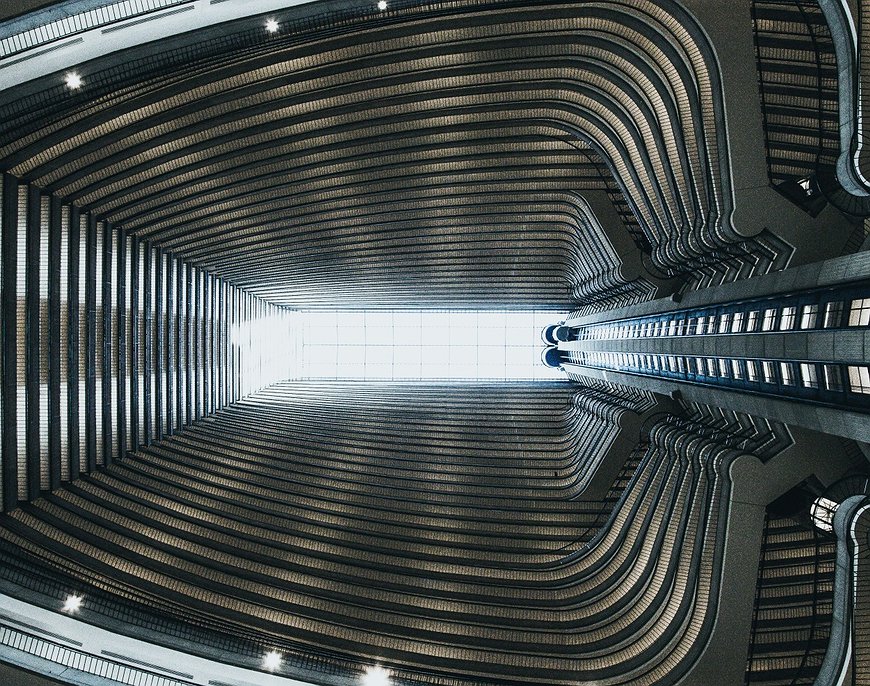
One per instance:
[(44, 59), (60, 631), (838, 656), (842, 26)]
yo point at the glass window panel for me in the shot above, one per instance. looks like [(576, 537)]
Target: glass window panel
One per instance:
[(407, 319), (859, 312), (751, 370), (786, 370), (350, 371), (436, 335), (524, 320), (323, 334), (407, 354), (859, 379), (833, 314), (809, 379), (379, 335), (424, 344), (493, 371), (408, 336), (752, 321), (377, 354), (350, 354), (808, 316), (464, 354), (375, 319), (315, 319), (436, 354), (438, 320), (321, 354), (833, 378), (350, 318), (379, 371), (516, 356), (469, 371), (405, 370), (498, 319)]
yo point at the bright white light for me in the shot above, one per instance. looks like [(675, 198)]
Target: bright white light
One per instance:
[(822, 512), (73, 80), (272, 660), (382, 5), (414, 345), (72, 603), (376, 676), (271, 26)]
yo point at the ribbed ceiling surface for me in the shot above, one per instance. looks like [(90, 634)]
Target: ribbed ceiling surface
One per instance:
[(420, 159), (434, 528)]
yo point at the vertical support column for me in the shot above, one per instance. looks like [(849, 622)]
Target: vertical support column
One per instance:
[(180, 352), (235, 377), (197, 343), (220, 346), (31, 343), (65, 400), (54, 351), (75, 336), (133, 336), (44, 343), (92, 350), (119, 341), (208, 343), (8, 336), (159, 343), (149, 287), (188, 342), (169, 361), (108, 303)]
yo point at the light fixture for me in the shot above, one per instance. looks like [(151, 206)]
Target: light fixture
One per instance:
[(72, 603), (272, 660), (382, 5), (73, 80), (271, 26), (376, 676)]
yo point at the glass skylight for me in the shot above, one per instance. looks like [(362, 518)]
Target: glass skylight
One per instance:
[(419, 345)]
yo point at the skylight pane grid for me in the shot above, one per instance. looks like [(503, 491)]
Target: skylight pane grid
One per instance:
[(425, 345)]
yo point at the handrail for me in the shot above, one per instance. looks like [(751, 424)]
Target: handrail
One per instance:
[(55, 23), (836, 666)]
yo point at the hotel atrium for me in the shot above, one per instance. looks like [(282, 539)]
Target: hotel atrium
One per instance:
[(434, 343)]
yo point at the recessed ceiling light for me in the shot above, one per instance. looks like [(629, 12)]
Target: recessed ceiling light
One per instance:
[(272, 660), (376, 676), (271, 26), (73, 80), (382, 5), (72, 603)]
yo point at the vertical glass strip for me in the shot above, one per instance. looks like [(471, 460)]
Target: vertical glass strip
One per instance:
[(44, 344), (63, 342), (114, 350), (169, 362), (99, 342), (21, 315)]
